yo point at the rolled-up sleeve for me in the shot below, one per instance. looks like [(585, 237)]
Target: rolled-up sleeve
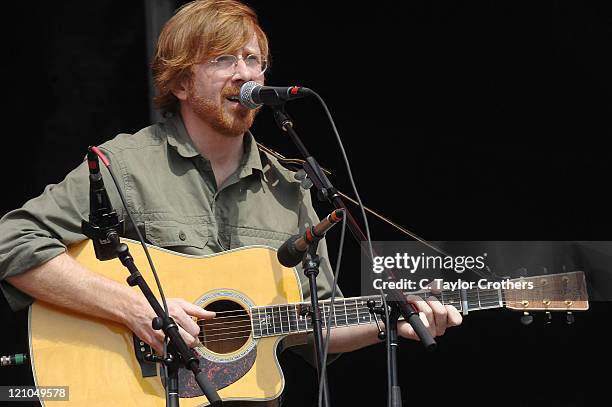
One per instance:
[(42, 228)]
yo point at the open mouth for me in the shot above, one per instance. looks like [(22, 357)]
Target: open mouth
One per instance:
[(234, 98)]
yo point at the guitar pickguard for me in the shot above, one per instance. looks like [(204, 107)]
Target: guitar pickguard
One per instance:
[(220, 374)]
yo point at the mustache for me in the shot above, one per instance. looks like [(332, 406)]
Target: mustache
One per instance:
[(230, 91)]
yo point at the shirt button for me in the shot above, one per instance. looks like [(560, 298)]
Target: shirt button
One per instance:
[(182, 236)]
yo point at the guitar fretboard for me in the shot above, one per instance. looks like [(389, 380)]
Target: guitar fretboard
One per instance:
[(273, 320)]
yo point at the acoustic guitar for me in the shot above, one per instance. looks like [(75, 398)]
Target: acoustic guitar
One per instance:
[(258, 303)]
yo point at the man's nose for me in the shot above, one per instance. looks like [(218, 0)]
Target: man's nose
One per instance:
[(242, 72)]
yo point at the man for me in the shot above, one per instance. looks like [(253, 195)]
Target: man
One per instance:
[(196, 183)]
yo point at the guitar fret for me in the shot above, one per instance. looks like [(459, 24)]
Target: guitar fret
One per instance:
[(324, 322), (289, 319), (333, 310), (302, 319), (259, 320), (279, 326), (254, 323), (357, 309), (491, 298), (280, 319), (286, 317), (297, 317), (273, 322), (339, 305), (358, 315), (345, 311)]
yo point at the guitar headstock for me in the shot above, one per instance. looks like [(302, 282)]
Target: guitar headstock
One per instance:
[(554, 292)]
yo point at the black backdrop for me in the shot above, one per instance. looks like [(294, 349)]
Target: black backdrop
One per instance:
[(462, 120)]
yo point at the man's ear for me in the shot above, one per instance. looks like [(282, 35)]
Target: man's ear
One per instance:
[(180, 87)]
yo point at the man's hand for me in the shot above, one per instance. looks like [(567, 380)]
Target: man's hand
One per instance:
[(435, 316), (183, 312)]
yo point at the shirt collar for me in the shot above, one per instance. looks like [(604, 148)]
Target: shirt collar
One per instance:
[(251, 160), (181, 141), (178, 136)]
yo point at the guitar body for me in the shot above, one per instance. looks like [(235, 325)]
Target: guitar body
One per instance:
[(97, 359)]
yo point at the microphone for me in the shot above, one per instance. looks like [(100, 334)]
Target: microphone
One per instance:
[(13, 360), (104, 225), (253, 95), (291, 252)]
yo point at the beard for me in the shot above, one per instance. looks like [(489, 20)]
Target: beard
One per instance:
[(230, 124)]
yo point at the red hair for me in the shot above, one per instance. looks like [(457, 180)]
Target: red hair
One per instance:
[(199, 30)]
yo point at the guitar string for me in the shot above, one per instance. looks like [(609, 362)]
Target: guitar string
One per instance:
[(205, 336), (469, 292), (482, 297), (275, 331), (486, 294), (489, 297), (483, 300), (293, 324)]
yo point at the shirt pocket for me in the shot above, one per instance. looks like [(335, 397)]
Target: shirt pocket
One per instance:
[(244, 236), (176, 236)]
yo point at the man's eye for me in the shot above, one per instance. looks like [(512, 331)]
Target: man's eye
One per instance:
[(253, 60), (226, 60)]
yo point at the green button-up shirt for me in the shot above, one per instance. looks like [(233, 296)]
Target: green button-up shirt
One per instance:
[(172, 193)]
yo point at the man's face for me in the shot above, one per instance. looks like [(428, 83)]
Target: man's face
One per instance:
[(210, 89)]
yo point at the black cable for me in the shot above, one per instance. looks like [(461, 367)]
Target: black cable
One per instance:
[(367, 228), (329, 318), (157, 282)]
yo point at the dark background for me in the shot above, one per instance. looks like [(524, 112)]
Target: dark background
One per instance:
[(462, 121)]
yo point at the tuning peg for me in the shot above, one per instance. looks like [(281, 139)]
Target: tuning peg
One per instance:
[(569, 318), (526, 319), (548, 318)]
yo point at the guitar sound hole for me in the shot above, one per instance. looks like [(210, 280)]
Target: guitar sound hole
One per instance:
[(229, 330)]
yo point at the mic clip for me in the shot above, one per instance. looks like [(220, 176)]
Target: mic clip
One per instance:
[(104, 231), (376, 311)]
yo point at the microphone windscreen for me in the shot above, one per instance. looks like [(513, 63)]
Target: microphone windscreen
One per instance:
[(287, 255), (246, 94)]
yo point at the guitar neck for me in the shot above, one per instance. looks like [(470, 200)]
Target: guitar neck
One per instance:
[(555, 292), (273, 320)]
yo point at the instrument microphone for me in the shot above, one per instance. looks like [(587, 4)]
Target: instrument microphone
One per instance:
[(253, 95), (291, 252), (104, 226)]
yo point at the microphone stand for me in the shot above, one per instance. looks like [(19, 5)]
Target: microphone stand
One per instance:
[(310, 264), (326, 191), (179, 353), (103, 228)]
